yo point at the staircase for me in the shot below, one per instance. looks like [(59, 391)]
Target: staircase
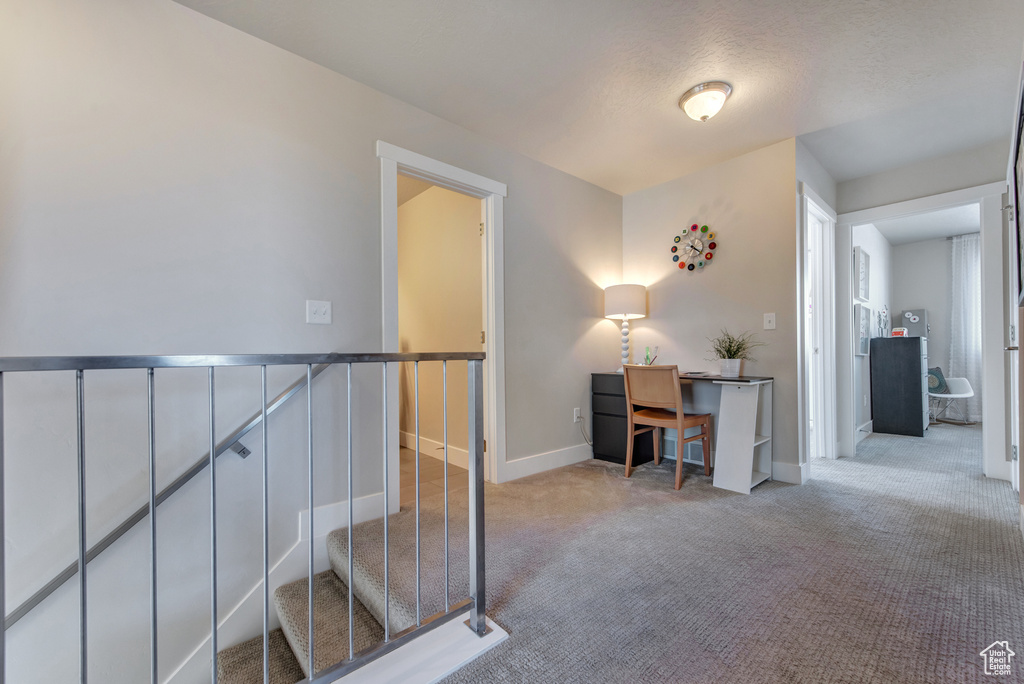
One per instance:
[(426, 547), (289, 646)]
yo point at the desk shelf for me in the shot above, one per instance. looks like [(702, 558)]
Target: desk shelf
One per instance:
[(744, 453)]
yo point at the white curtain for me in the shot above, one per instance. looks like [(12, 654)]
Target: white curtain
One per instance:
[(965, 318)]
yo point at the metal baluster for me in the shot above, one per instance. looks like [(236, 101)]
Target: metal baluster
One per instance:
[(351, 506), (444, 389), (152, 529), (477, 620), (82, 585), (416, 395), (309, 430), (3, 575), (213, 531), (266, 532), (387, 583)]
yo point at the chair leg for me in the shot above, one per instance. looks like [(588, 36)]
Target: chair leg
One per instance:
[(956, 407), (629, 446), (679, 458), (657, 445), (706, 443)]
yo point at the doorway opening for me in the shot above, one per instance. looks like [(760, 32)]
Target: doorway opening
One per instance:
[(394, 161), (440, 309), (905, 270)]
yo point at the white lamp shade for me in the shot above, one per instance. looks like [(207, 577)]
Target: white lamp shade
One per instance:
[(625, 301)]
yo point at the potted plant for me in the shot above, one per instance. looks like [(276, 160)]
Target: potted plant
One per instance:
[(731, 350)]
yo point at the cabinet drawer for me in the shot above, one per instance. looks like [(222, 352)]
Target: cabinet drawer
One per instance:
[(608, 383), (610, 404)]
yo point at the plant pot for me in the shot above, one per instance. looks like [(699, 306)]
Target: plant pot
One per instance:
[(729, 368)]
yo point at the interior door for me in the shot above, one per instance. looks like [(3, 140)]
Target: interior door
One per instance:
[(819, 326)]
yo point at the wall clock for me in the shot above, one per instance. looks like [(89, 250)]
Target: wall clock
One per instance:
[(695, 248)]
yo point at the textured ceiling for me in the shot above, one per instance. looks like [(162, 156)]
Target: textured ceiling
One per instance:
[(591, 86), (934, 224)]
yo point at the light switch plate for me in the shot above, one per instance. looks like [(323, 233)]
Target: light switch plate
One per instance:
[(318, 312), (769, 321)]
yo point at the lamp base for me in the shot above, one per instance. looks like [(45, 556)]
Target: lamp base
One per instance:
[(625, 342)]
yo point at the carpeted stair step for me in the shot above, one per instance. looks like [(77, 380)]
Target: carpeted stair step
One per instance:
[(243, 663), (330, 621), (368, 560)]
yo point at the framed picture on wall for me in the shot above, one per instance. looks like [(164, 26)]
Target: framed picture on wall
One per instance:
[(862, 319), (861, 274)]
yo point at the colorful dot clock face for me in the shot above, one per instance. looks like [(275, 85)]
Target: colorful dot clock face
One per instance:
[(695, 248)]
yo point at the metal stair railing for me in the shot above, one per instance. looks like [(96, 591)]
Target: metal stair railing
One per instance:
[(315, 365), (233, 443)]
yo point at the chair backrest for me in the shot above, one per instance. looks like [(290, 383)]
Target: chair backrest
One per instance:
[(960, 386), (655, 386)]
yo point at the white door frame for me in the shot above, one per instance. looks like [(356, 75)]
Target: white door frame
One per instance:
[(492, 193), (989, 198), (1011, 343), (811, 203)]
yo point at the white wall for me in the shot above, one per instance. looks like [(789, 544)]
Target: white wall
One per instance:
[(174, 186), (966, 169), (921, 279), (750, 203), (878, 248), (810, 171), (440, 306)]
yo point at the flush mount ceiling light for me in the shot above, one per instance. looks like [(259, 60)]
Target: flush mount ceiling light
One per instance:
[(703, 101)]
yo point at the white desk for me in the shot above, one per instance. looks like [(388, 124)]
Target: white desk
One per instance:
[(743, 418)]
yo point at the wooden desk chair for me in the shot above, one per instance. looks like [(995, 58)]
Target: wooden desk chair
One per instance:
[(654, 389)]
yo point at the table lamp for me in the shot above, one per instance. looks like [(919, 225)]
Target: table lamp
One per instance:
[(624, 302)]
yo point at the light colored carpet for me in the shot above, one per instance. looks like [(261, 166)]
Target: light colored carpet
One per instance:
[(243, 663), (368, 560), (330, 621), (898, 566)]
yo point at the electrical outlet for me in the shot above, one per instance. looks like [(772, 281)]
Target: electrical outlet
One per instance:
[(576, 415), (317, 312), (769, 321)]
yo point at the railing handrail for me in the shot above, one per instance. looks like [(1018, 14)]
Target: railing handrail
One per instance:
[(68, 363), (57, 363)]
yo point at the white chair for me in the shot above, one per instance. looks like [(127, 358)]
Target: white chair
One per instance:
[(959, 388)]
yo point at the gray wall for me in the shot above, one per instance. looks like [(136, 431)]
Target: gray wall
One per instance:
[(966, 169), (880, 291), (173, 186), (810, 171), (921, 279), (750, 202)]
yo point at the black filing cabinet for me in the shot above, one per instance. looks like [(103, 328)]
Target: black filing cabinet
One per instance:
[(899, 385), (608, 408)]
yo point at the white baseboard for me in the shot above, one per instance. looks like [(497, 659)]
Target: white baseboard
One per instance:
[(538, 463), (864, 430), (793, 473), (431, 657), (435, 449), (243, 621)]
